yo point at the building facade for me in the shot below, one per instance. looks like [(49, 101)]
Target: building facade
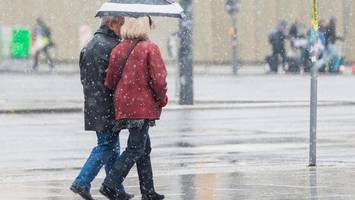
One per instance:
[(212, 41)]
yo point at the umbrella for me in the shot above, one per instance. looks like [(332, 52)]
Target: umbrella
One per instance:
[(140, 8)]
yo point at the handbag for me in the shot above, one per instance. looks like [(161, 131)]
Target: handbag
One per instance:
[(125, 60)]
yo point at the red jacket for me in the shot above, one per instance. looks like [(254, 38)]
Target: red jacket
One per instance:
[(141, 91)]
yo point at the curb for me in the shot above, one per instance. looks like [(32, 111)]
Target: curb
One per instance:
[(29, 72), (40, 110), (219, 105), (254, 106)]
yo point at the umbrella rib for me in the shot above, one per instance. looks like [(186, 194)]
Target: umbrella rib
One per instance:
[(169, 9), (140, 10)]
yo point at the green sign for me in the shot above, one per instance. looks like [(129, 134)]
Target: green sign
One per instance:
[(21, 43)]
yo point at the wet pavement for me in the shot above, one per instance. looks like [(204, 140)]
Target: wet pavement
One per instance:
[(65, 90), (246, 138), (224, 154)]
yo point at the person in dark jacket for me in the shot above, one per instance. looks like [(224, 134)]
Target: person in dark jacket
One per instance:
[(331, 38), (99, 109), (296, 32), (330, 51), (42, 40), (331, 33), (140, 95), (277, 40)]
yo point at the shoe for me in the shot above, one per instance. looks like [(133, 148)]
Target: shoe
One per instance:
[(129, 196), (114, 195), (85, 194), (153, 196)]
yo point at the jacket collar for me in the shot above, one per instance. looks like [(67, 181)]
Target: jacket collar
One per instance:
[(108, 32)]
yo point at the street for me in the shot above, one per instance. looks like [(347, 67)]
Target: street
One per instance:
[(255, 149), (219, 154)]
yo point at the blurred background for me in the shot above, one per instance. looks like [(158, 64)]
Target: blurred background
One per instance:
[(242, 135), (212, 25)]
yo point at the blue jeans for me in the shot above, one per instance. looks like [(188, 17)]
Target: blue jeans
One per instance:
[(106, 153)]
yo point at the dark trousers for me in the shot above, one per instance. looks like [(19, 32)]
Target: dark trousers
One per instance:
[(276, 53), (48, 58), (137, 152)]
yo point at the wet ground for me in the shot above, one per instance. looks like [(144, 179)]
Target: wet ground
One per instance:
[(241, 152), (59, 89), (197, 155)]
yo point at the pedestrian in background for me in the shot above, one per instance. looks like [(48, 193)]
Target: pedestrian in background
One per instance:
[(315, 47), (42, 42), (277, 40), (296, 33), (138, 74), (331, 36), (330, 54), (99, 108)]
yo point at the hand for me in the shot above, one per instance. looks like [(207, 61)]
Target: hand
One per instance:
[(164, 102)]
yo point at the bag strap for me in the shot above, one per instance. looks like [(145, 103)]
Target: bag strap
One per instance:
[(124, 63)]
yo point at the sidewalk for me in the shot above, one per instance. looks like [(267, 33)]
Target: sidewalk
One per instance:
[(24, 66), (62, 91)]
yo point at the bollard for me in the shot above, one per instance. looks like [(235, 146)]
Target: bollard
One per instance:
[(314, 92)]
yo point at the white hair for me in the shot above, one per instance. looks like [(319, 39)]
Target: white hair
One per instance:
[(136, 28)]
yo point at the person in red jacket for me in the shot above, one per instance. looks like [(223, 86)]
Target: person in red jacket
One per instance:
[(137, 74)]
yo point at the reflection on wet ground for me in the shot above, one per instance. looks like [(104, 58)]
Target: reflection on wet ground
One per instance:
[(197, 155), (324, 183)]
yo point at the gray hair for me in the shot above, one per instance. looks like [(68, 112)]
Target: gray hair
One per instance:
[(105, 20)]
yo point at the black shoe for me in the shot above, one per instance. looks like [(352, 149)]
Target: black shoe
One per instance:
[(85, 194), (153, 196), (114, 195), (129, 196)]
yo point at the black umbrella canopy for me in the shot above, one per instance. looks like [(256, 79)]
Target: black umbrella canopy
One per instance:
[(140, 8)]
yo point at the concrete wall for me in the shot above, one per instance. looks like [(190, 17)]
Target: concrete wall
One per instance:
[(211, 24)]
